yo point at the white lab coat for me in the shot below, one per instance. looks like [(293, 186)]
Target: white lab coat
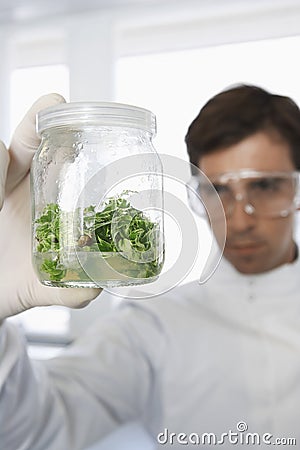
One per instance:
[(200, 359)]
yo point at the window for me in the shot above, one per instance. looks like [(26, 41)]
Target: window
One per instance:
[(175, 85)]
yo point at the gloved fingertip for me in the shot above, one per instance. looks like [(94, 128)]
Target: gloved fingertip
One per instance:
[(77, 298), (52, 97), (45, 101)]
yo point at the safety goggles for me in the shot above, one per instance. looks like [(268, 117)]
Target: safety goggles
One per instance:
[(263, 194)]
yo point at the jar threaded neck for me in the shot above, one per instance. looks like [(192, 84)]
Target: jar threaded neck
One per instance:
[(96, 114)]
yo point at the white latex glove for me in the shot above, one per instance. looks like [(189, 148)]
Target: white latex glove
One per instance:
[(19, 286)]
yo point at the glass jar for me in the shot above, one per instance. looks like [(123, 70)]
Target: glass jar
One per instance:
[(97, 196)]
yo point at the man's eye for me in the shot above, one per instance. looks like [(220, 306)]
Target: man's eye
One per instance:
[(221, 189), (266, 184)]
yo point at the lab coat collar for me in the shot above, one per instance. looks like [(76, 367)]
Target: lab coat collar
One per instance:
[(277, 280), (258, 295)]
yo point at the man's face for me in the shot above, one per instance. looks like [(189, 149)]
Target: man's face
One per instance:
[(254, 244)]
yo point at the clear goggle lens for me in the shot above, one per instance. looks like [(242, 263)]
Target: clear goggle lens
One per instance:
[(263, 194)]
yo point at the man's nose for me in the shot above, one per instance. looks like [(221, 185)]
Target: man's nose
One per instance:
[(242, 216)]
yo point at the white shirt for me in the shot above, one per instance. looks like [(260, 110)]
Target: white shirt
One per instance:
[(199, 360)]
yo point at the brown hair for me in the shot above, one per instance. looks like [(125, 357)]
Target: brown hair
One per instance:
[(238, 112)]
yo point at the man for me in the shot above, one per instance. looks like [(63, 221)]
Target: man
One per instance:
[(211, 364), (259, 132)]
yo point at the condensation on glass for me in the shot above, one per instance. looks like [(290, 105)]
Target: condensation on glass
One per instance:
[(97, 196)]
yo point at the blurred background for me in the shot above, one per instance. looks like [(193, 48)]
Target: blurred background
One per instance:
[(169, 56)]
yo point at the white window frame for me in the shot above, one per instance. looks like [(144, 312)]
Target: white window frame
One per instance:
[(204, 24)]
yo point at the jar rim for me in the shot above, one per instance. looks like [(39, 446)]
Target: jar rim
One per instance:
[(96, 114)]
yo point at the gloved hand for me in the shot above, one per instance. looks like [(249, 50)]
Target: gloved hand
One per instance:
[(19, 286)]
